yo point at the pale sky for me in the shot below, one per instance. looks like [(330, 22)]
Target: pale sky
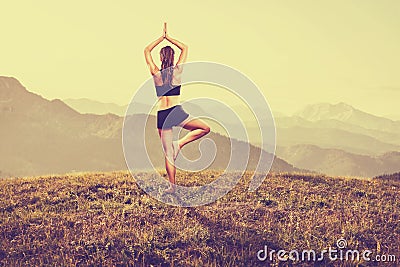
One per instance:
[(297, 52)]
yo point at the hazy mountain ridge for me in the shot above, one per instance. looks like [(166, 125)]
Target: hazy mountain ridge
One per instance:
[(293, 121), (333, 138), (393, 117), (346, 113), (339, 162), (338, 139), (86, 105), (324, 135), (39, 136), (333, 132), (321, 116), (14, 97), (345, 117), (89, 106)]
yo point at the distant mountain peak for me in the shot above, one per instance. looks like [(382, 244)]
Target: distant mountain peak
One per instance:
[(340, 111), (347, 113), (344, 106)]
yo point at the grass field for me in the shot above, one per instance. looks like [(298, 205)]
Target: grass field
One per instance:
[(104, 219)]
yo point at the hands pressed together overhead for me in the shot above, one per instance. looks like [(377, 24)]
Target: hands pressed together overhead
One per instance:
[(165, 34), (147, 51)]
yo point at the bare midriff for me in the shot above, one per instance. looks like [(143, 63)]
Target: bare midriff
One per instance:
[(166, 102)]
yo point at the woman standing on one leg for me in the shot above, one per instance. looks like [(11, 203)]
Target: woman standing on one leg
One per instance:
[(170, 112)]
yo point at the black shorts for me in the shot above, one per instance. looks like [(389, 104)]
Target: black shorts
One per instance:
[(173, 116)]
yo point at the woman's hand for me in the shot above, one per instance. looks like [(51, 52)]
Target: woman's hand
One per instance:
[(166, 36)]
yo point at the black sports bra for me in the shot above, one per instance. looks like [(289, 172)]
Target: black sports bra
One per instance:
[(167, 90)]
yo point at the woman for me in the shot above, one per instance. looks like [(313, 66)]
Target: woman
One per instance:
[(170, 112)]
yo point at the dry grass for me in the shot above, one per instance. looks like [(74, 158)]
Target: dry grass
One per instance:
[(104, 219)]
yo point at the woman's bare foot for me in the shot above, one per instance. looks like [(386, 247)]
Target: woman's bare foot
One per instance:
[(170, 190), (176, 147)]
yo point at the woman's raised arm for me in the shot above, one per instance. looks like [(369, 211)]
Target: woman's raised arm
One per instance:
[(147, 54)]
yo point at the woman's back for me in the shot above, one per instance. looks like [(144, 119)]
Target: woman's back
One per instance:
[(168, 93)]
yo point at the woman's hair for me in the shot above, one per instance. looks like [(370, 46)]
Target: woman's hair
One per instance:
[(167, 57)]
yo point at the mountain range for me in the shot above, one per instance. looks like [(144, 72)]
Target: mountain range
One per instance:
[(334, 132), (39, 136), (338, 139), (346, 113)]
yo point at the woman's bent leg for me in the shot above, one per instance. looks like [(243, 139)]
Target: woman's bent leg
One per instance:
[(197, 128)]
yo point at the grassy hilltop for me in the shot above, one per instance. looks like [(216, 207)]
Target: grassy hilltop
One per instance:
[(104, 219)]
